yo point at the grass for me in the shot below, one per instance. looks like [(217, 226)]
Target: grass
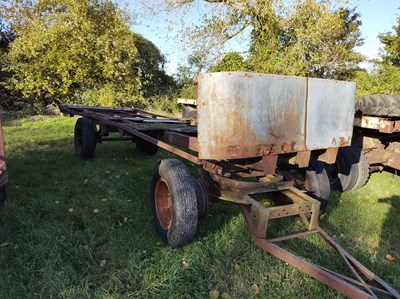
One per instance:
[(75, 229)]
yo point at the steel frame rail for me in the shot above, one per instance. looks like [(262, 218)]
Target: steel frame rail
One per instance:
[(353, 287)]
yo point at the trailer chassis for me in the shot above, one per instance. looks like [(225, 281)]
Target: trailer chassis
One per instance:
[(226, 180)]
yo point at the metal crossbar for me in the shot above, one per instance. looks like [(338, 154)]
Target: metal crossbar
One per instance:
[(356, 287)]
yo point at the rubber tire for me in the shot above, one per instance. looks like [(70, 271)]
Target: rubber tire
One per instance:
[(344, 177), (379, 105), (317, 183), (146, 147), (2, 194), (85, 138), (184, 203), (359, 168), (202, 198)]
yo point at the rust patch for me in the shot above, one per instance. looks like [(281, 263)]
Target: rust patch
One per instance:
[(234, 150), (344, 141), (269, 164), (245, 75), (303, 158), (329, 156), (263, 149), (285, 147), (292, 146)]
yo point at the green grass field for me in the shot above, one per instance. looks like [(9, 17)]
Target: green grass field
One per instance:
[(75, 229)]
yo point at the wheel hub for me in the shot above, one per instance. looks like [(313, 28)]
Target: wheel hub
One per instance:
[(163, 204)]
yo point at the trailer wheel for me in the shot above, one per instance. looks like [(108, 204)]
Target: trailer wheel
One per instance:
[(173, 202), (339, 173), (317, 183), (351, 170), (359, 167), (146, 147), (202, 198), (85, 138)]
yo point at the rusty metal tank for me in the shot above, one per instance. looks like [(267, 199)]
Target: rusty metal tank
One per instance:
[(242, 115)]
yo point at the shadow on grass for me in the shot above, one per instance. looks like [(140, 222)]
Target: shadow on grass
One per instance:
[(390, 234)]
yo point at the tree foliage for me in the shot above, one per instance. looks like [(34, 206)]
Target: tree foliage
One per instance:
[(150, 68), (384, 77), (310, 40), (232, 61), (69, 45), (298, 37), (391, 42)]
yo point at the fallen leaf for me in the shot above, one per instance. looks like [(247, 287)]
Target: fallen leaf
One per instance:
[(236, 266), (71, 210), (103, 263), (389, 257), (86, 181), (214, 294), (104, 199), (256, 289), (225, 295), (126, 219), (57, 202), (95, 211), (185, 264)]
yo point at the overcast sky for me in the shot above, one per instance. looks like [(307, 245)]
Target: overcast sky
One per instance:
[(377, 16)]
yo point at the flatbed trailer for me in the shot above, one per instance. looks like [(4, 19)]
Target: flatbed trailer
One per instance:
[(3, 167), (258, 143)]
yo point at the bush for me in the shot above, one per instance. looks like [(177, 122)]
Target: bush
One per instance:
[(104, 96), (163, 104)]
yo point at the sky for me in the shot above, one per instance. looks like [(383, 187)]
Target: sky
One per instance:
[(377, 16)]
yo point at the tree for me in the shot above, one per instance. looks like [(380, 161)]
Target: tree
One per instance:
[(70, 45), (384, 77), (231, 62), (300, 37), (150, 68), (391, 42), (311, 40)]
